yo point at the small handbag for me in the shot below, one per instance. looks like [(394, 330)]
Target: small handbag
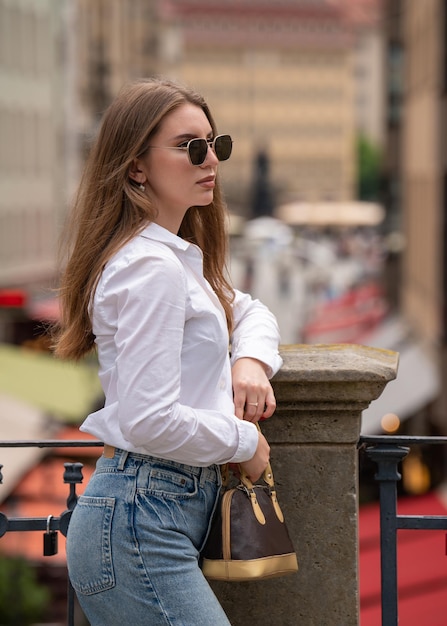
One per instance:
[(248, 539)]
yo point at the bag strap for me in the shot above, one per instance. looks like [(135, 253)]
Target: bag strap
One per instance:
[(267, 477)]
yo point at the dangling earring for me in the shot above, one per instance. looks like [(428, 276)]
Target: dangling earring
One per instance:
[(142, 187)]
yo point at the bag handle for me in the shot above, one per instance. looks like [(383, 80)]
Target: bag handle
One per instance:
[(267, 477)]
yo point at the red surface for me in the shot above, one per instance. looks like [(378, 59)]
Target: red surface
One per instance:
[(348, 318), (12, 298), (421, 562)]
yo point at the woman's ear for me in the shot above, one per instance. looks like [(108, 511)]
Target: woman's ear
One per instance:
[(136, 173)]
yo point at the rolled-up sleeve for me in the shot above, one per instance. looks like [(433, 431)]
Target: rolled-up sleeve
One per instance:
[(255, 333)]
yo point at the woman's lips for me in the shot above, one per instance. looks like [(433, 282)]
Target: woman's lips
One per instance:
[(208, 182)]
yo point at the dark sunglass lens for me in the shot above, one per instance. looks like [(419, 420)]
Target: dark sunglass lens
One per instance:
[(197, 151), (223, 147)]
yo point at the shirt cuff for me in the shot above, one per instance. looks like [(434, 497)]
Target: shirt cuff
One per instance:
[(273, 361), (248, 442)]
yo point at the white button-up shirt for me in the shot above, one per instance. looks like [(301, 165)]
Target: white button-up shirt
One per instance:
[(163, 351)]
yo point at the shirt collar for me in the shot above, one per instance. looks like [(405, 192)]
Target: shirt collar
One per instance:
[(158, 233)]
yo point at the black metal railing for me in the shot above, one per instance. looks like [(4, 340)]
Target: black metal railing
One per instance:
[(387, 452), (52, 524)]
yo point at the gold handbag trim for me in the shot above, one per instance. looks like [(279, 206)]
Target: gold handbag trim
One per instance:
[(267, 567), (279, 513), (226, 534)]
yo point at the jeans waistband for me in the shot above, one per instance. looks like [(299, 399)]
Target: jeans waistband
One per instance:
[(211, 472)]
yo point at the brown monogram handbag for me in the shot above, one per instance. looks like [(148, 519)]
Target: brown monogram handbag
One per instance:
[(248, 539)]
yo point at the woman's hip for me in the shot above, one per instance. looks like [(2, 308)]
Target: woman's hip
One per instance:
[(140, 500)]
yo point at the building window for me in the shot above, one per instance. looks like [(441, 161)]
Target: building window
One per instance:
[(395, 81)]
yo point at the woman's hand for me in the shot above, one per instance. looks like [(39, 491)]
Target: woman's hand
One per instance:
[(255, 467), (252, 392)]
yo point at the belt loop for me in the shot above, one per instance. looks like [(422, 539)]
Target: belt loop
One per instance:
[(123, 459), (211, 473)]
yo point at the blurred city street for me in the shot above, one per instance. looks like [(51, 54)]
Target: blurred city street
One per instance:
[(324, 285)]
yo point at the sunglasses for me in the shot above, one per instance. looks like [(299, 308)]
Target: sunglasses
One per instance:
[(197, 149)]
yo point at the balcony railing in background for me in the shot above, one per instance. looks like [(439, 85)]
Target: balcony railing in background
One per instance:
[(52, 524), (321, 392), (387, 452)]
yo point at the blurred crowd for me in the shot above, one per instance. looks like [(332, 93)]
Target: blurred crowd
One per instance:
[(323, 284)]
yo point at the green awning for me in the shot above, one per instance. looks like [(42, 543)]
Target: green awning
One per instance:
[(65, 390)]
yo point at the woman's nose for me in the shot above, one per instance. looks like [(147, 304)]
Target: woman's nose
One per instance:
[(211, 158)]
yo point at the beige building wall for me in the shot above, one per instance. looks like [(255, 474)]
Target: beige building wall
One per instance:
[(369, 64), (278, 75), (422, 289), (278, 78), (31, 184), (115, 42)]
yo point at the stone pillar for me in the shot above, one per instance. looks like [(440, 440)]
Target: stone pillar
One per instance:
[(321, 392)]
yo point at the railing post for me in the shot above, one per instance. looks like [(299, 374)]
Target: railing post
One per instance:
[(321, 392), (72, 476), (387, 457)]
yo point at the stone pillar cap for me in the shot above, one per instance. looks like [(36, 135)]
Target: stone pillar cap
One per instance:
[(337, 362)]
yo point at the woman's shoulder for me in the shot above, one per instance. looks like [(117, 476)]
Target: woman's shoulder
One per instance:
[(140, 249), (144, 258)]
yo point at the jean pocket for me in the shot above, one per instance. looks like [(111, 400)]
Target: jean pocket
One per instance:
[(171, 483), (89, 549)]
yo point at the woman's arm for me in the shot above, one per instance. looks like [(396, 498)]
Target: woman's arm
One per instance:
[(255, 358), (255, 333)]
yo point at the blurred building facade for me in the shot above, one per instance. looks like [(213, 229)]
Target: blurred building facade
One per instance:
[(61, 62), (364, 18), (31, 117), (295, 79), (416, 169), (115, 41), (280, 77), (289, 78)]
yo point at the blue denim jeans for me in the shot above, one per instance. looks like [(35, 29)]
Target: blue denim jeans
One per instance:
[(134, 541)]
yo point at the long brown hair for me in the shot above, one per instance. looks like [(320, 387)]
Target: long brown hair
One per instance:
[(110, 209)]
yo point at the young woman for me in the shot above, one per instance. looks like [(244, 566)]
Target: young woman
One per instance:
[(184, 359)]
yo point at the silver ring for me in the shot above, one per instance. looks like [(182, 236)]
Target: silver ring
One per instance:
[(252, 403)]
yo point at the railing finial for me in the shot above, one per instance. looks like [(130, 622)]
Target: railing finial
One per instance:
[(73, 476)]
